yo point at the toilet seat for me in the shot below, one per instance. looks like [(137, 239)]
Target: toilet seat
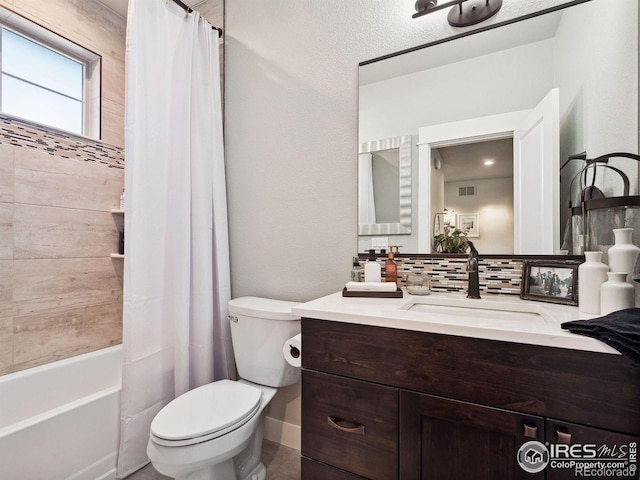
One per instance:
[(205, 413)]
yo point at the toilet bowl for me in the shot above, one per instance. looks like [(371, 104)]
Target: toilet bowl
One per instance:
[(215, 431)]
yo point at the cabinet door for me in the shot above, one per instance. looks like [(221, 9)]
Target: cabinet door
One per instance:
[(350, 424), (444, 439), (617, 447)]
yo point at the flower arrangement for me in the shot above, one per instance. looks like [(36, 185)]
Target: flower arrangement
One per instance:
[(452, 240)]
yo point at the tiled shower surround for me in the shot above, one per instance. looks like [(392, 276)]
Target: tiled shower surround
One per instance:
[(501, 276), (65, 145), (60, 292)]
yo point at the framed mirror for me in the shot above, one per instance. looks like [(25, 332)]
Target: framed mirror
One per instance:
[(461, 96), (384, 187)]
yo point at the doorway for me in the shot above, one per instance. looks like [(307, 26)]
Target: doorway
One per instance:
[(476, 181)]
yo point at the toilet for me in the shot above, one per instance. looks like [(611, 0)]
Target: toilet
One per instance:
[(214, 432)]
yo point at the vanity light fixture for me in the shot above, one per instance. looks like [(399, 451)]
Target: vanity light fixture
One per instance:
[(475, 11), (488, 163)]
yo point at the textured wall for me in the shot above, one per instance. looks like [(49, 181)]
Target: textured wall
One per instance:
[(291, 132), (60, 292), (291, 137)]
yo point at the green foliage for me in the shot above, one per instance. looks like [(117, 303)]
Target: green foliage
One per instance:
[(453, 240)]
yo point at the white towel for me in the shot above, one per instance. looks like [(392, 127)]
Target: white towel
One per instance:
[(371, 286)]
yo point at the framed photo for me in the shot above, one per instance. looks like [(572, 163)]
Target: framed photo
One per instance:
[(548, 281), (449, 219), (442, 220), (469, 222)]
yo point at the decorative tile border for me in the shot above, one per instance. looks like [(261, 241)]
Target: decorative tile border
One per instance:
[(497, 276), (20, 133)]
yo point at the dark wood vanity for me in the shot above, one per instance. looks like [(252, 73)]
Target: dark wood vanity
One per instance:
[(383, 403)]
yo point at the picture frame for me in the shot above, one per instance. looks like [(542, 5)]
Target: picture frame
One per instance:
[(441, 221), (449, 219), (549, 281), (469, 222)]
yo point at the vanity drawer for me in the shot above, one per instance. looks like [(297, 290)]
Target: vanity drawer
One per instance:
[(312, 470), (350, 424)]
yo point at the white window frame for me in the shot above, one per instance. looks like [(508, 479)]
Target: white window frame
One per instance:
[(91, 61)]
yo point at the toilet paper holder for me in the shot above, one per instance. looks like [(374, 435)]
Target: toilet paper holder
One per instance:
[(294, 351)]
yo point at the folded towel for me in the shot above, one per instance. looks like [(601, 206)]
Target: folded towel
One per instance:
[(371, 286), (620, 330)]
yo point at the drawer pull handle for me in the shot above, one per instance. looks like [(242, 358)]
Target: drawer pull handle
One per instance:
[(346, 426), (530, 430), (563, 437)]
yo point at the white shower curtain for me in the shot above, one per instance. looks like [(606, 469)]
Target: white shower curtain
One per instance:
[(176, 276)]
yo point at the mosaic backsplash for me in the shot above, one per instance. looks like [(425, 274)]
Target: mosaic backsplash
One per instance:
[(497, 276), (20, 133)]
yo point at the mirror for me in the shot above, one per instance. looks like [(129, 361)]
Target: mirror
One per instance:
[(384, 187), (483, 87)]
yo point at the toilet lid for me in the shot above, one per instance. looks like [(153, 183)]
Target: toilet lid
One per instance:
[(206, 410)]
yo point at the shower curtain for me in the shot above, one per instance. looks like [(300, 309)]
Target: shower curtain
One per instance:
[(176, 275)]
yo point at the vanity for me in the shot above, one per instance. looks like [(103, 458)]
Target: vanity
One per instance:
[(443, 386)]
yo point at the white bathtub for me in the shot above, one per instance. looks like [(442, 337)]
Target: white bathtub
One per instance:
[(61, 420)]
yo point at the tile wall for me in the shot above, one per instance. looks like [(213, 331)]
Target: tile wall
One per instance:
[(60, 292), (500, 276)]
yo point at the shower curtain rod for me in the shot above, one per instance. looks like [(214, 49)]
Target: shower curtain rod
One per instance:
[(188, 9)]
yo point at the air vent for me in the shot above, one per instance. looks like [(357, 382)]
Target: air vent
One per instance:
[(466, 191)]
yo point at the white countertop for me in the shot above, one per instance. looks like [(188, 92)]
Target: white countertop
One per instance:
[(494, 317)]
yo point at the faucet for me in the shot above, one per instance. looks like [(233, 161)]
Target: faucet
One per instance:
[(473, 290)]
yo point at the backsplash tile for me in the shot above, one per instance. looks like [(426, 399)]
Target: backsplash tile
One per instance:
[(19, 133), (498, 276)]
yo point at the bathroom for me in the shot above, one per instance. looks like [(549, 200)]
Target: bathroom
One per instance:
[(291, 120)]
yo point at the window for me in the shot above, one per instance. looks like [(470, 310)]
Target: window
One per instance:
[(47, 79)]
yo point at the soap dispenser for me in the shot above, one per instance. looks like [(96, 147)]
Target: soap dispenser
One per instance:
[(372, 270), (390, 268)]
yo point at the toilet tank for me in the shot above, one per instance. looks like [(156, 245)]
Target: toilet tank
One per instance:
[(259, 328)]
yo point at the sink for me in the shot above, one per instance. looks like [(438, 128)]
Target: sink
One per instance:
[(479, 312)]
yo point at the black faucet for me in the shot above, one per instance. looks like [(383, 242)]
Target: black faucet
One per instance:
[(473, 291)]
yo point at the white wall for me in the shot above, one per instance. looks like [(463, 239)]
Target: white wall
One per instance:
[(291, 131), (291, 136), (493, 203), (501, 82), (598, 115)]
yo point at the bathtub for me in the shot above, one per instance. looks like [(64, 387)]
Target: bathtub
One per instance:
[(61, 420)]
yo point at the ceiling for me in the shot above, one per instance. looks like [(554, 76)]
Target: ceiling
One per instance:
[(466, 162), (120, 6)]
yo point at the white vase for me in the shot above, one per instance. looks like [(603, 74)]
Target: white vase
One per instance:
[(622, 255), (616, 293), (591, 275)]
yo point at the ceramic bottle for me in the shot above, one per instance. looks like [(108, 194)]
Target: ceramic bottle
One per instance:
[(591, 275), (372, 269), (622, 255), (616, 293)]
